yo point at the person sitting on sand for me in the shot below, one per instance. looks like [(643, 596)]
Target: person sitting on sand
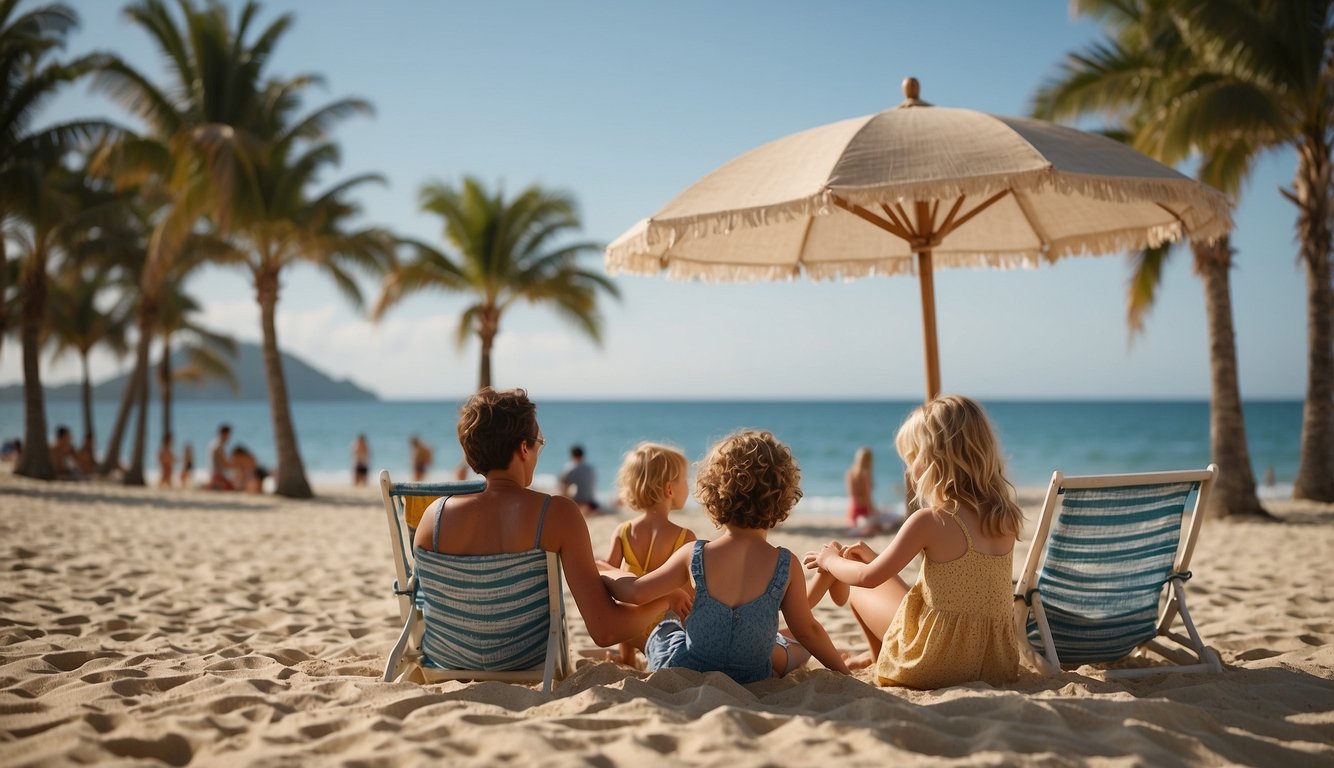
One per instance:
[(62, 452), (247, 474), (863, 518), (219, 464), (860, 480), (748, 484), (652, 481), (954, 625), (578, 480), (83, 458), (501, 440)]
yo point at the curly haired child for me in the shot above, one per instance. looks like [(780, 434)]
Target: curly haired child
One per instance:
[(748, 484)]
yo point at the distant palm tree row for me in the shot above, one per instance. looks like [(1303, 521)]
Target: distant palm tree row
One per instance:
[(109, 223), (1223, 81)]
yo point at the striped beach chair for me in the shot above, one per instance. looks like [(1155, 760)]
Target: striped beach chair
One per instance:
[(485, 617), (1105, 573)]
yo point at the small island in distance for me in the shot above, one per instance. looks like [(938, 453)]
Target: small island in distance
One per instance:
[(304, 382)]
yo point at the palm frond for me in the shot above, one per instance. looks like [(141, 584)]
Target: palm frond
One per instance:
[(1146, 275)]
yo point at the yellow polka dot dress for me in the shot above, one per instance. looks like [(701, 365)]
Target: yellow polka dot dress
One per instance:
[(954, 625)]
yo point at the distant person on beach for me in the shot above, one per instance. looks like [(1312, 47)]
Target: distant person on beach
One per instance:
[(860, 481), (219, 463), (247, 474), (422, 458), (748, 484), (1269, 476), (501, 440), (578, 480), (83, 458), (863, 517), (652, 482), (954, 625), (166, 461), (361, 460), (62, 456), (187, 465), (10, 450)]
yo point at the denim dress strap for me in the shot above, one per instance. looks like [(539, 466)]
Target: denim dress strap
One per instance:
[(697, 567), (542, 518), (778, 584)]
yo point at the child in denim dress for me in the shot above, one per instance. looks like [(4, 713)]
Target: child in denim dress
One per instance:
[(748, 483)]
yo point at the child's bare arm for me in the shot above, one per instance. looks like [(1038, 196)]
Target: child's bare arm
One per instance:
[(803, 624), (671, 575), (845, 566), (614, 556), (607, 622)]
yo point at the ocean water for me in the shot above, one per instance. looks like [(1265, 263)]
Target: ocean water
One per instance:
[(1080, 437)]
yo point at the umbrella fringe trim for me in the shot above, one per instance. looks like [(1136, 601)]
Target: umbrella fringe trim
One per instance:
[(1205, 217), (1084, 245)]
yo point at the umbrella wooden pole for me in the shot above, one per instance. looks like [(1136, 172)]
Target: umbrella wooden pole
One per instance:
[(927, 284), (926, 236)]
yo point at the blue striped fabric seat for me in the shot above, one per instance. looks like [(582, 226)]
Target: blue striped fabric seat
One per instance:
[(484, 612), (1110, 553)]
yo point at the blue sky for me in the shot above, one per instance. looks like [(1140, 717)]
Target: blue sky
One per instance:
[(626, 104)]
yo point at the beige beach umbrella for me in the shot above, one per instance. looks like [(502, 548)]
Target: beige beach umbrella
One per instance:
[(914, 188)]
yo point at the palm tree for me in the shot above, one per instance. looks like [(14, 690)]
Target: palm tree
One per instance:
[(506, 251), (80, 321), (201, 146), (1273, 79), (283, 224), (27, 80), (54, 228), (1136, 76)]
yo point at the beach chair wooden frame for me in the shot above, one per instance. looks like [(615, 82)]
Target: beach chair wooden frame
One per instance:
[(1187, 652), (405, 661)]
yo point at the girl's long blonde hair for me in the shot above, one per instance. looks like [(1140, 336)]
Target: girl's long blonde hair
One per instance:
[(950, 440)]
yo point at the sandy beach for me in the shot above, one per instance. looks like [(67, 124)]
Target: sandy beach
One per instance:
[(146, 626)]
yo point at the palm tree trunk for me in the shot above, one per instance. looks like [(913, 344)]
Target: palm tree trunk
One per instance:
[(35, 459), (488, 325), (111, 459), (147, 320), (1315, 468), (484, 375), (290, 474), (164, 383), (87, 392), (1234, 492), (4, 286)]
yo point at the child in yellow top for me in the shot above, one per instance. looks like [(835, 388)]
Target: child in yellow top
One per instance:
[(954, 625), (652, 481)]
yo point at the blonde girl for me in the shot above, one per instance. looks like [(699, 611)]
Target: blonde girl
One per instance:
[(953, 626), (652, 482), (748, 484)]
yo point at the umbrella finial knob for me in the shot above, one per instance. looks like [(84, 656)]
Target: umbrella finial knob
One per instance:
[(912, 92)]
